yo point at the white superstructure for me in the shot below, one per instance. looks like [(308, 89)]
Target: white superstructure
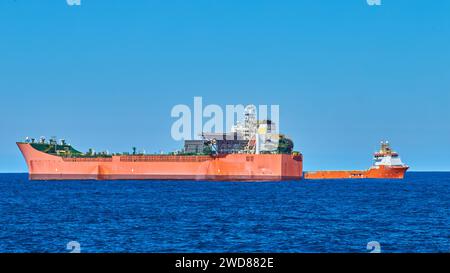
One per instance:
[(386, 156)]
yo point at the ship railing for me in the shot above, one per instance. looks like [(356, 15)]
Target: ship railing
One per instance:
[(87, 159), (165, 158)]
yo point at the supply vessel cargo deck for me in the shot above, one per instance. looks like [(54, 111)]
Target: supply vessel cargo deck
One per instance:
[(387, 165)]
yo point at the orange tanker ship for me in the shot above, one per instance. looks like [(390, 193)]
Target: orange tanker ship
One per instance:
[(387, 165), (251, 152), (239, 167)]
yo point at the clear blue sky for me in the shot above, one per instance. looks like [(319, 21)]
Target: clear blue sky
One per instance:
[(346, 75)]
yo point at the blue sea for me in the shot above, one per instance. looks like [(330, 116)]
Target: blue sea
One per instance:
[(410, 215)]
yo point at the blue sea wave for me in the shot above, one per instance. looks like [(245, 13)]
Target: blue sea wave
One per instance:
[(410, 215)]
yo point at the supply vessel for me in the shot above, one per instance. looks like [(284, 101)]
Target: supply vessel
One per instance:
[(387, 165), (252, 151)]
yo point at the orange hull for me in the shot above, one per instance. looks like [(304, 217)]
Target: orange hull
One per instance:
[(235, 167), (380, 172)]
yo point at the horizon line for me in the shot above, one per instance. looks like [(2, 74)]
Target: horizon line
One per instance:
[(418, 171)]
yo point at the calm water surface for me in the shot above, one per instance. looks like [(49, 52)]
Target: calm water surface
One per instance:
[(411, 215)]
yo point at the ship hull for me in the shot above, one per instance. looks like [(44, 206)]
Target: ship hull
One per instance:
[(379, 172), (232, 167)]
